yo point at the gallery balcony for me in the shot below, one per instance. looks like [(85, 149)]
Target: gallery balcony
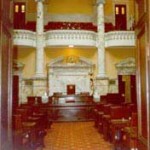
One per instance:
[(77, 34)]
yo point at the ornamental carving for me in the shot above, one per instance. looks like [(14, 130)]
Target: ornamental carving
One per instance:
[(126, 67), (72, 59)]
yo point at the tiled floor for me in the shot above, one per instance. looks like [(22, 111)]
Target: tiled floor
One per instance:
[(75, 136)]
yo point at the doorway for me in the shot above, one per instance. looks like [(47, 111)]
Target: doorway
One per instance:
[(120, 17), (19, 15)]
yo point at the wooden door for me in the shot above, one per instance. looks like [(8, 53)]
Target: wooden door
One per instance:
[(120, 17), (121, 86), (133, 89), (70, 89), (15, 91), (19, 15), (143, 85)]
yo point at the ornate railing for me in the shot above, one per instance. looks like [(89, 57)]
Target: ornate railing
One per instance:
[(120, 38), (24, 37), (70, 37), (75, 37)]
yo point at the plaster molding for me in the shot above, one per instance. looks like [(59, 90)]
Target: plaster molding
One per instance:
[(126, 67), (100, 2), (39, 0)]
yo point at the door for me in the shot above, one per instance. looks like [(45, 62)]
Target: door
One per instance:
[(70, 89), (19, 15), (121, 86), (15, 91), (120, 17), (133, 89)]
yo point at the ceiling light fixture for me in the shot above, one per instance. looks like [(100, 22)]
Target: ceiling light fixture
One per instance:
[(71, 45)]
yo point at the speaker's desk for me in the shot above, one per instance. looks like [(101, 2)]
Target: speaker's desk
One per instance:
[(72, 108)]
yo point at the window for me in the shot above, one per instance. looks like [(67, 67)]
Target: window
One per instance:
[(16, 8), (19, 14), (120, 17)]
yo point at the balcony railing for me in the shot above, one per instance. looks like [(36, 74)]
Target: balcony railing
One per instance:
[(70, 37), (75, 37), (24, 37), (120, 38)]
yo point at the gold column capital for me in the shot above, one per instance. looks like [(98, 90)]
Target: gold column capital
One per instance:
[(100, 2), (39, 0)]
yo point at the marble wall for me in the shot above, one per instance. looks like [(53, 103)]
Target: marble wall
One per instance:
[(69, 70)]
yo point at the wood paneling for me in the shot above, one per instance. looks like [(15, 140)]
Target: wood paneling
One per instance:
[(142, 98), (5, 75), (133, 89), (142, 58)]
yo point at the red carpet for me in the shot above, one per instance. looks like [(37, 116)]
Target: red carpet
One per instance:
[(75, 136)]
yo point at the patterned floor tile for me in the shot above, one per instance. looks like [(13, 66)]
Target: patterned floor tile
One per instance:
[(75, 136)]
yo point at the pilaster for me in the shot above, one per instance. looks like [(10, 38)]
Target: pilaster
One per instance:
[(101, 39), (39, 69)]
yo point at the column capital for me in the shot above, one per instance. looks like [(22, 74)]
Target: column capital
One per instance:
[(100, 2), (39, 0)]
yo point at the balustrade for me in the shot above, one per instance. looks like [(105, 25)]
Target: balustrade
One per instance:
[(74, 37), (120, 38), (24, 37)]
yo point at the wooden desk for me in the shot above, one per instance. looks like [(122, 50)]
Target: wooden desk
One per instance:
[(71, 112), (71, 108)]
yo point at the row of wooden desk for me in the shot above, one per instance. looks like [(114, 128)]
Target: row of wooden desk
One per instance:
[(31, 119), (70, 112), (67, 107), (118, 124)]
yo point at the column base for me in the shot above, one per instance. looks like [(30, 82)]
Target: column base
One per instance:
[(101, 87), (39, 86), (39, 76), (102, 77)]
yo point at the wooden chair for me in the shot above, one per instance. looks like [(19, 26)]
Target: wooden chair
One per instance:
[(33, 124), (130, 133)]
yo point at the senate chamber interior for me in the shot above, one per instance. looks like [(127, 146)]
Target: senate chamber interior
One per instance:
[(75, 74)]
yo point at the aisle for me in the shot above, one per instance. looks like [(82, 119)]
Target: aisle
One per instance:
[(75, 136)]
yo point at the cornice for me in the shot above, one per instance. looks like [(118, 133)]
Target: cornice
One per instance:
[(39, 0), (100, 2)]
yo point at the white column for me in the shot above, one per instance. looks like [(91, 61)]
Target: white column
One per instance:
[(101, 39), (39, 68)]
